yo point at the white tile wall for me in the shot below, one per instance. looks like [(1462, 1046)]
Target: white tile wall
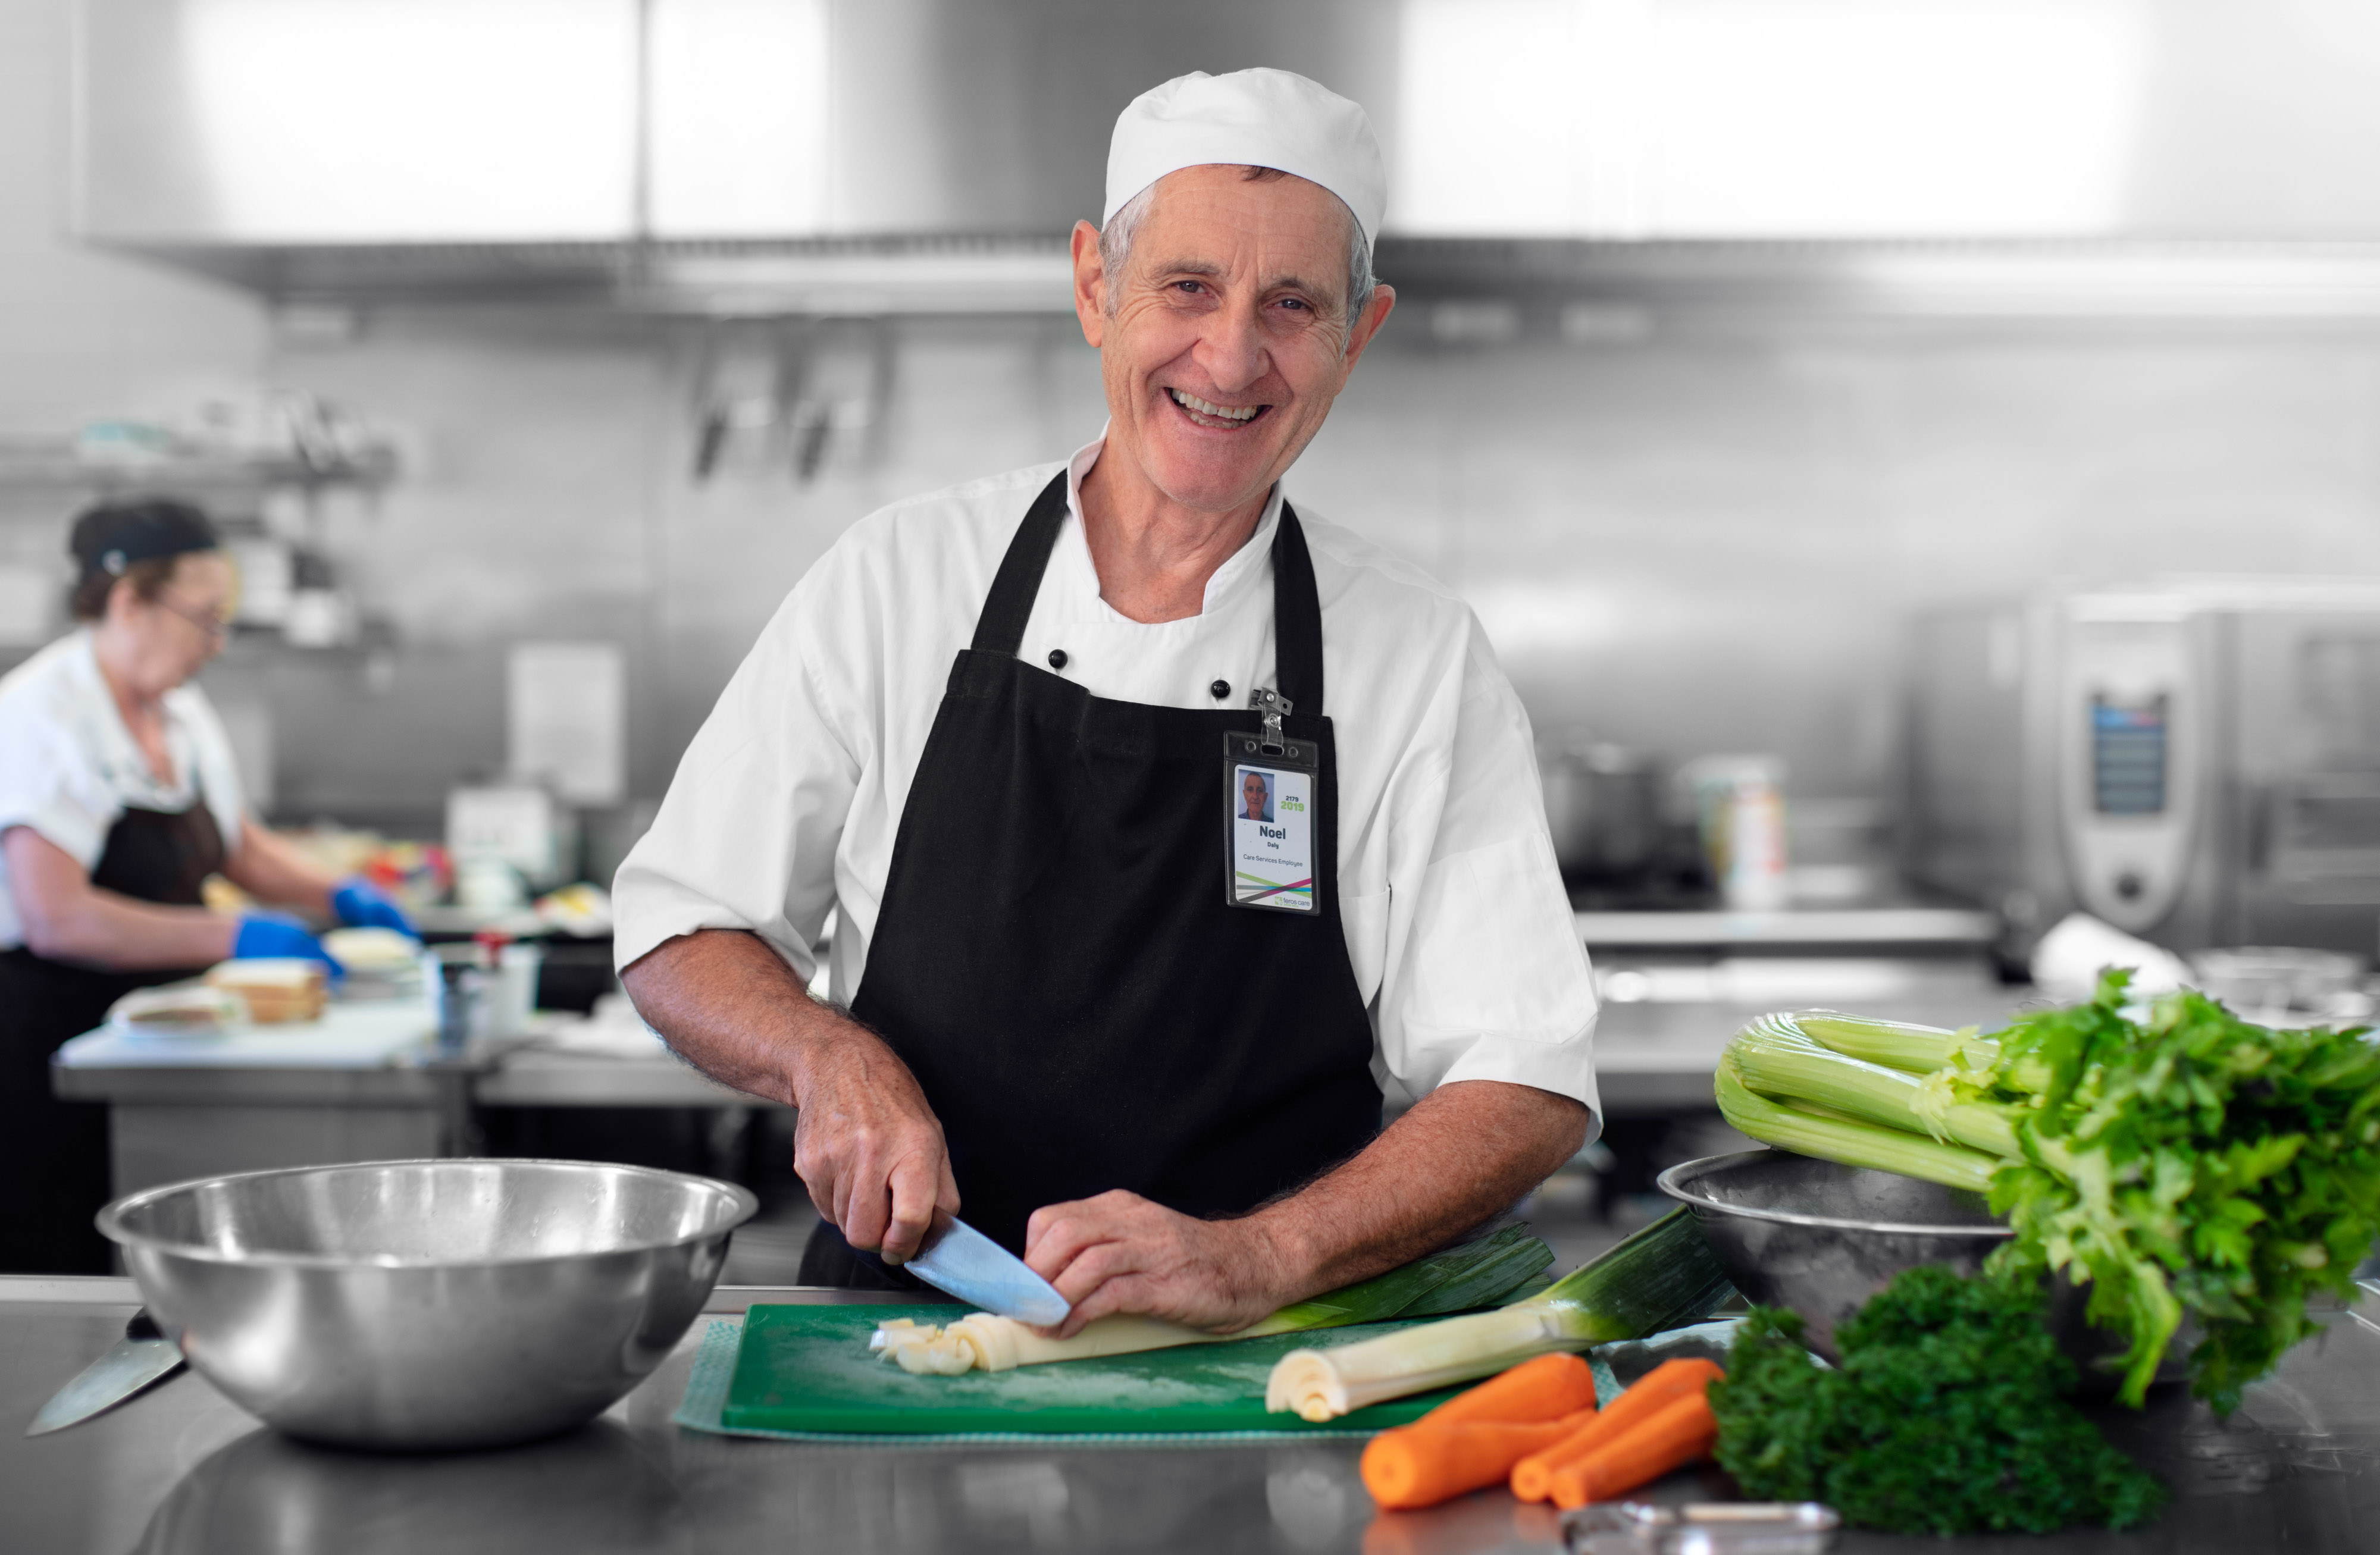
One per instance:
[(1690, 543)]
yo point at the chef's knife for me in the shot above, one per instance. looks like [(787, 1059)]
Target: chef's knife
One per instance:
[(968, 1264), (141, 1357)]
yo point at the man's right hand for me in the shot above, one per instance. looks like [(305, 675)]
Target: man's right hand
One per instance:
[(868, 1147), (866, 1144)]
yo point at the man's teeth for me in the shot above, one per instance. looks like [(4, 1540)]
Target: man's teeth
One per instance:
[(1228, 413)]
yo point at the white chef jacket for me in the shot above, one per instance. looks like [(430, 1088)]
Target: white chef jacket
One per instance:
[(68, 766), (786, 803)]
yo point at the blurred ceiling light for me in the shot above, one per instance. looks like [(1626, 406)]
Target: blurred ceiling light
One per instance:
[(1769, 118), (738, 118), (1606, 323), (372, 120), (1475, 321)]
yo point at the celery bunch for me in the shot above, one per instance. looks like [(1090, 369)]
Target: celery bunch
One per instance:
[(2188, 1162)]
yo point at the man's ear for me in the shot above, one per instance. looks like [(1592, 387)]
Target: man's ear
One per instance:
[(1090, 284), (1367, 323)]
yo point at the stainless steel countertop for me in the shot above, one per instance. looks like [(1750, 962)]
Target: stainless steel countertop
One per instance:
[(183, 1470)]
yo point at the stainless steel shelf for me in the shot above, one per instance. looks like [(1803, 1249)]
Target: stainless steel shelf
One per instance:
[(1944, 927), (58, 467)]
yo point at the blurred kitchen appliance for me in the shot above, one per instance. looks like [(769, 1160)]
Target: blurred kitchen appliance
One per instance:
[(519, 826), (2283, 981), (28, 596), (1603, 803), (1740, 805), (2194, 760)]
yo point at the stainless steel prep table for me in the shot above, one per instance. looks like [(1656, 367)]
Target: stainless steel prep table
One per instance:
[(182, 1470), (362, 1083)]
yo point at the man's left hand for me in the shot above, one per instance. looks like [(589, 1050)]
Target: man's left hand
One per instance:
[(1120, 1253)]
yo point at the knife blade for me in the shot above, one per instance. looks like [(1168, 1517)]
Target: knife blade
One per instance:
[(141, 1359), (963, 1262)]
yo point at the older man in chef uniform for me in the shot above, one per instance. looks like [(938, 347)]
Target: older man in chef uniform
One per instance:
[(1077, 994)]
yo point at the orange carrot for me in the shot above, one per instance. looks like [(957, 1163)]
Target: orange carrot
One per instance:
[(1543, 1389), (1428, 1460), (1665, 1384), (1681, 1432)]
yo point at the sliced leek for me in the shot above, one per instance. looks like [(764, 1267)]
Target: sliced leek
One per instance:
[(1662, 1276)]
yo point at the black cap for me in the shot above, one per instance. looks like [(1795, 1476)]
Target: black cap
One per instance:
[(114, 535)]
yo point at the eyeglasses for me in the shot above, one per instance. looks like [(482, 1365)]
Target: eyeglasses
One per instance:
[(206, 620)]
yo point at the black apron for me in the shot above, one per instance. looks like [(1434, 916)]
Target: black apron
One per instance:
[(53, 1153), (1055, 960)]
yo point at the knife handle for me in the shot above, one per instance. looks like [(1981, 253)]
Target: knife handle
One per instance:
[(143, 1326)]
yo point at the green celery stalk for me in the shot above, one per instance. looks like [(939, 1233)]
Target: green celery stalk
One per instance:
[(1773, 1056), (1920, 1050), (1851, 1142)]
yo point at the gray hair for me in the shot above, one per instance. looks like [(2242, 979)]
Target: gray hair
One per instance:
[(1116, 243)]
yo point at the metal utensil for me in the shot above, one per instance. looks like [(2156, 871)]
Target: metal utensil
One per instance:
[(1821, 1238), (428, 1304), (1702, 1528), (142, 1358), (963, 1261)]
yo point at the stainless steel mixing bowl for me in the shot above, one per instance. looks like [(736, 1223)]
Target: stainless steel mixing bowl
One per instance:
[(1821, 1238), (428, 1304)]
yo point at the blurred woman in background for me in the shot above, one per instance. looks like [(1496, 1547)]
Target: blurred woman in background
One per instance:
[(118, 798)]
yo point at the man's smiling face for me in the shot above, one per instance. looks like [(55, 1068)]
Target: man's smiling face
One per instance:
[(1225, 340)]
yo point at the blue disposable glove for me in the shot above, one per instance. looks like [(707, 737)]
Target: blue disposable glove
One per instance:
[(361, 905), (270, 934)]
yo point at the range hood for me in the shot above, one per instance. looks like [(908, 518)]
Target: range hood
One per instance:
[(2067, 157)]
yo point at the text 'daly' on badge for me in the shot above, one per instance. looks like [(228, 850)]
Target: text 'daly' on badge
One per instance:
[(1268, 799)]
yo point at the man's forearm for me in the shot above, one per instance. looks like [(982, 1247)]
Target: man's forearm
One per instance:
[(1465, 1152), (866, 1144), (729, 1006)]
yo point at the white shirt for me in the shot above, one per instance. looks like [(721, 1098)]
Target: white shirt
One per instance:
[(68, 766), (1458, 927)]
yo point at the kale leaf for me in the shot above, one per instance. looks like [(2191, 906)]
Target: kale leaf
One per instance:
[(1947, 1416)]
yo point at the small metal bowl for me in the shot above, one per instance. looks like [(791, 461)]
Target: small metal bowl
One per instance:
[(1795, 1231), (423, 1304), (1820, 1238)]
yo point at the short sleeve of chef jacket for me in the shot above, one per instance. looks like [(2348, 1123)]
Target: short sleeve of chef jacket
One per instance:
[(68, 771), (1458, 931)]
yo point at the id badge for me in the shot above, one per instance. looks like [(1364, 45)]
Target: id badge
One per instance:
[(1268, 798)]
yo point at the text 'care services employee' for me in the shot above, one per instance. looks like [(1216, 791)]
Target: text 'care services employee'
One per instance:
[(117, 800), (1166, 824)]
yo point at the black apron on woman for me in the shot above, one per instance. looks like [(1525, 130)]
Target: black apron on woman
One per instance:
[(1056, 961), (54, 1154)]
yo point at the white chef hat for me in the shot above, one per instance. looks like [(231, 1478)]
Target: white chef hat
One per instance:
[(1256, 118)]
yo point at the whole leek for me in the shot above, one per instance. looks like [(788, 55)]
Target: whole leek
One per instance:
[(1454, 1279), (1662, 1276)]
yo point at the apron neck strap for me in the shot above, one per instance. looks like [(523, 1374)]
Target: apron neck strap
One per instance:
[(1296, 607), (1296, 618)]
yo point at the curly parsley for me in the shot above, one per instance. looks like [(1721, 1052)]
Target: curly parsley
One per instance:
[(1947, 1416)]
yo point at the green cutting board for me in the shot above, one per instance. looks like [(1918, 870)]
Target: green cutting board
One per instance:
[(807, 1368)]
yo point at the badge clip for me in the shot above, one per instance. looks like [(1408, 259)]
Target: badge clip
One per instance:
[(1273, 707)]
